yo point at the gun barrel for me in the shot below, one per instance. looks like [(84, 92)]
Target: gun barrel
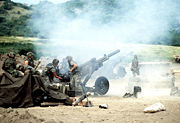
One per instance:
[(113, 53)]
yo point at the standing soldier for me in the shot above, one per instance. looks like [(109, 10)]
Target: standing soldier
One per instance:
[(135, 66), (75, 78), (9, 64), (72, 64)]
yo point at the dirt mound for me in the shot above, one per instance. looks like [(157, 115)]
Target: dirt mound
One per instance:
[(14, 116)]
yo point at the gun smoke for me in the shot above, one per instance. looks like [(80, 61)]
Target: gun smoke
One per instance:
[(95, 27), (86, 29)]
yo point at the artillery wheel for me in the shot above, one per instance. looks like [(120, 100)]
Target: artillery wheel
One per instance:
[(101, 85)]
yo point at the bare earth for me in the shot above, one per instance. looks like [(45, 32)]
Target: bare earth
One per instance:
[(120, 110)]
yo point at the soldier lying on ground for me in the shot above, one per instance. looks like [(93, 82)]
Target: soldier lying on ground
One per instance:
[(21, 70)]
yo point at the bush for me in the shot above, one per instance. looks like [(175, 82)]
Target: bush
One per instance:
[(8, 5)]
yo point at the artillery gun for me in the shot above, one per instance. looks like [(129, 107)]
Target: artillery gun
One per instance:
[(85, 72)]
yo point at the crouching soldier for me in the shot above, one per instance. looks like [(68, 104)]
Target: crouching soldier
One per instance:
[(51, 72), (52, 80)]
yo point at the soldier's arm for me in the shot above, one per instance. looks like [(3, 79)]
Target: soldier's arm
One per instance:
[(74, 67), (138, 65), (55, 75), (26, 62)]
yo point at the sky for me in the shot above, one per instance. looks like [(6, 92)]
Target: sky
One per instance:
[(29, 2)]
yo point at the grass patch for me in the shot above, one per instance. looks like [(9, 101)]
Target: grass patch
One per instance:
[(18, 45), (22, 45), (157, 52)]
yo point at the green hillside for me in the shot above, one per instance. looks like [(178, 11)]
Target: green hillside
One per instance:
[(14, 19), (22, 45)]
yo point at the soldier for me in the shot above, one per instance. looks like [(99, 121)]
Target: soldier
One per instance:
[(75, 77), (51, 71), (72, 64), (30, 60), (20, 70), (9, 64), (135, 66)]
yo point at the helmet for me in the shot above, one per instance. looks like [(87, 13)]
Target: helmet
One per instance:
[(55, 61), (69, 58), (11, 54), (135, 56), (30, 54)]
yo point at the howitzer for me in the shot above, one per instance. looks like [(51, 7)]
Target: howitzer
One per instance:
[(88, 68), (85, 72), (80, 77)]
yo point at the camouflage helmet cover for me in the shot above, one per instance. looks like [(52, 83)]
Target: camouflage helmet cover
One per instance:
[(30, 54), (135, 56), (69, 58)]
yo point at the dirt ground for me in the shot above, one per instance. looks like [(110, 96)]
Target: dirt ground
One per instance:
[(120, 110)]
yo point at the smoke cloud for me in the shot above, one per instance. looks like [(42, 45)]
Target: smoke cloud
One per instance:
[(86, 28), (92, 28)]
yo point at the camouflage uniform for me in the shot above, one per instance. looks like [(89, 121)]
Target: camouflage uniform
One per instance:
[(52, 80), (135, 66), (49, 71), (75, 79), (9, 64), (30, 59)]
